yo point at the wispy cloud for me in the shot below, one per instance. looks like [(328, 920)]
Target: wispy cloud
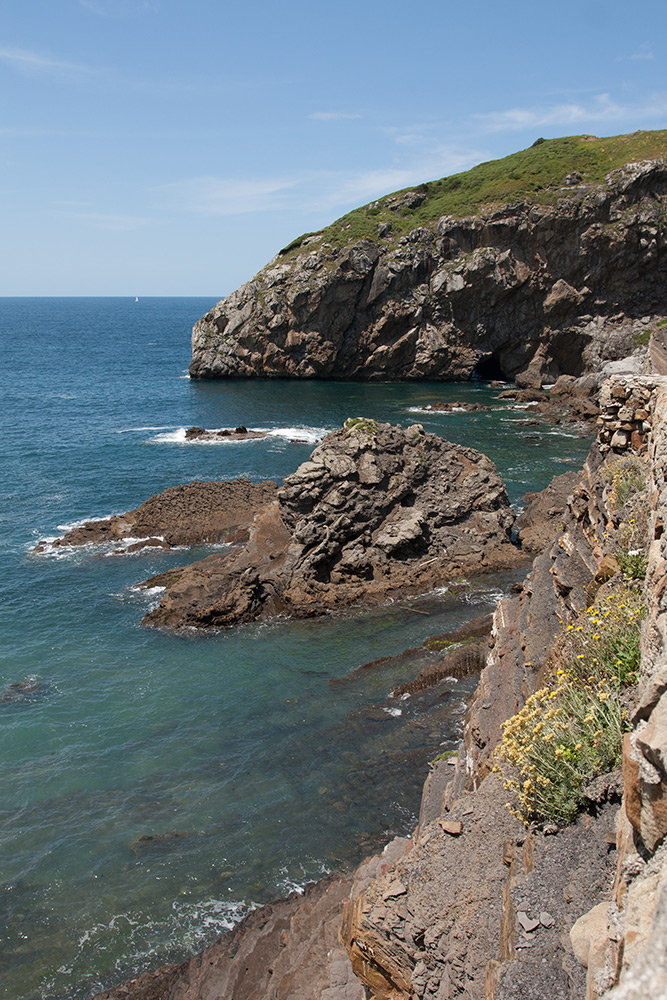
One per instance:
[(603, 108), (644, 52), (114, 222), (309, 191), (358, 188), (223, 196), (330, 116), (25, 61)]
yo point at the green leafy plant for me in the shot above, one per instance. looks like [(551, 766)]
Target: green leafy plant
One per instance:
[(563, 735)]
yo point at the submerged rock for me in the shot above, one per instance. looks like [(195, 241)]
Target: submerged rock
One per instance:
[(376, 510), (22, 691)]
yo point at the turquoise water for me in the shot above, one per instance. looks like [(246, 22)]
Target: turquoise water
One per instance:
[(250, 772)]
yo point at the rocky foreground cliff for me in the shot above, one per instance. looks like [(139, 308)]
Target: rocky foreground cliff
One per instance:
[(482, 906), (553, 273), (477, 904)]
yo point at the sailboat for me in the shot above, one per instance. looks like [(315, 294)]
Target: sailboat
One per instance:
[(136, 298)]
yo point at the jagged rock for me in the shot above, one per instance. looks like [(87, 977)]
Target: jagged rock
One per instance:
[(182, 515), (447, 300), (376, 510), (240, 433), (466, 896), (542, 520)]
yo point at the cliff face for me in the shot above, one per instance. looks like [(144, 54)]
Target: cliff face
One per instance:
[(482, 907), (530, 290)]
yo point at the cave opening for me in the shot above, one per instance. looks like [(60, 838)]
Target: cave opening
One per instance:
[(488, 369)]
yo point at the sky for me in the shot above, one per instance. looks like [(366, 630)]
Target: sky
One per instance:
[(172, 147)]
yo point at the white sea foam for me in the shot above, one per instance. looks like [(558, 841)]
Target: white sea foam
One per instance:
[(106, 548), (289, 885), (64, 552), (121, 546), (395, 712), (170, 437), (483, 596), (71, 525), (428, 409), (159, 427), (211, 916), (148, 591), (307, 435)]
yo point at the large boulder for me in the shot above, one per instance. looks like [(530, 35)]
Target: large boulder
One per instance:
[(376, 510)]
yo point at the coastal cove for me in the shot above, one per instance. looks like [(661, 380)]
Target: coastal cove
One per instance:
[(156, 785)]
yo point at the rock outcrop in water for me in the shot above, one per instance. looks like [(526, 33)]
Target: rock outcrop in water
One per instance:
[(527, 290), (191, 514), (475, 904), (378, 510)]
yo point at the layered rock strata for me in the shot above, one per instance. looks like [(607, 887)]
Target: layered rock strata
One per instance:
[(475, 905), (625, 938), (190, 514), (376, 510), (527, 291), (604, 880)]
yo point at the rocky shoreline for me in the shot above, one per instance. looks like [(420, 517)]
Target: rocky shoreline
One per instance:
[(377, 511), (474, 903)]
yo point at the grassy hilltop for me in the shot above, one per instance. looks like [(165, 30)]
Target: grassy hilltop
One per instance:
[(535, 174)]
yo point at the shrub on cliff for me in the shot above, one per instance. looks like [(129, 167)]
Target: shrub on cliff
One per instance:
[(571, 729)]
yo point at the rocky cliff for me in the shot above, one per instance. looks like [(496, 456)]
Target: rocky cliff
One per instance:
[(377, 510), (567, 274), (476, 904), (483, 907)]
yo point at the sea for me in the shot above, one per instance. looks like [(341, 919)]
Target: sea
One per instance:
[(156, 786)]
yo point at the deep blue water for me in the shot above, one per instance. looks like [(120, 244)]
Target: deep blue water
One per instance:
[(234, 745)]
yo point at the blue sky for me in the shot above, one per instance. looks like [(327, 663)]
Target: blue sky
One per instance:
[(164, 147)]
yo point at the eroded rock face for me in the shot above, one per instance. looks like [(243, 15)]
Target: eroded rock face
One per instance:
[(477, 908), (533, 291), (377, 509), (516, 942), (285, 951)]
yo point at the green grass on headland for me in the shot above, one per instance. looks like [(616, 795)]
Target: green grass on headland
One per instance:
[(535, 175)]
